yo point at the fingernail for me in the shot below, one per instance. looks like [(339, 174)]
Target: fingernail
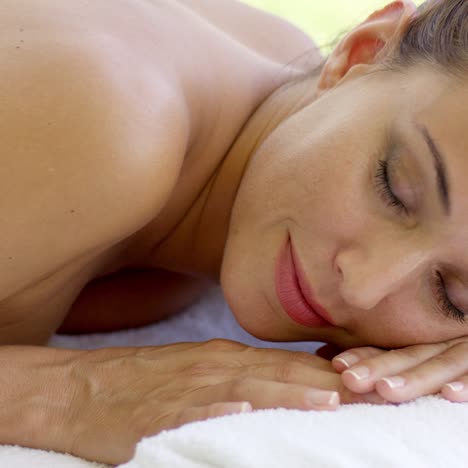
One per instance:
[(359, 373), (347, 359), (317, 397), (395, 382), (246, 407), (456, 386), (375, 398)]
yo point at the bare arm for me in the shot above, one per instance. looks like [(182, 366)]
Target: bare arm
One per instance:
[(35, 393), (91, 150), (86, 161), (131, 298)]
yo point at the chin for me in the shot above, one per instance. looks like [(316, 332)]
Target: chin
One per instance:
[(248, 309), (255, 315), (248, 316)]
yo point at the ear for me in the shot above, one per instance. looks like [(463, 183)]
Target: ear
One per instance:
[(366, 44)]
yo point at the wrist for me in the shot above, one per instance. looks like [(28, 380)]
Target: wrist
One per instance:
[(37, 396)]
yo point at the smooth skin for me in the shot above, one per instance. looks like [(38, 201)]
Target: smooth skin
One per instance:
[(90, 123), (229, 140), (370, 266)]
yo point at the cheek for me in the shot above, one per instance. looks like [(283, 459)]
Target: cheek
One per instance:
[(402, 319), (332, 195)]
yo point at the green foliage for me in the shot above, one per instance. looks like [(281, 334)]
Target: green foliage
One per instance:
[(322, 20)]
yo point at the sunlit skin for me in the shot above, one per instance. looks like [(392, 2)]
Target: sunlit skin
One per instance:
[(314, 177), (306, 166), (369, 265), (155, 152), (248, 159)]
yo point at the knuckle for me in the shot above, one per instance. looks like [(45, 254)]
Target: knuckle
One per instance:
[(289, 371), (212, 372), (202, 368), (303, 357), (219, 344), (243, 386)]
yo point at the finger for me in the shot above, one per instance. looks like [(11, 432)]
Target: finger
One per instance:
[(201, 413), (325, 380), (304, 374), (349, 358), (267, 394), (297, 373), (456, 391), (371, 397), (363, 377), (260, 356), (426, 378)]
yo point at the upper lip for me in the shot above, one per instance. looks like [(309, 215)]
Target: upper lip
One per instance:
[(307, 290)]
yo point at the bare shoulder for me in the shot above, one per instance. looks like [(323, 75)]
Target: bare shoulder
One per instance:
[(95, 128), (87, 129)]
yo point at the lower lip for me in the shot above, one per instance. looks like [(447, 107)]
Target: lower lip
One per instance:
[(289, 293)]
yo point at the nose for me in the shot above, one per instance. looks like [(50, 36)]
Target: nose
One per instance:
[(368, 275)]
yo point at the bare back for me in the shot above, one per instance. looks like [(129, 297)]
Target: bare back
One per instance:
[(69, 220)]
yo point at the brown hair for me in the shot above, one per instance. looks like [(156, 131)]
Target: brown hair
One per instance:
[(437, 34)]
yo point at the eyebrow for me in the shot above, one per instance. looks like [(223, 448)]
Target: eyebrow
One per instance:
[(440, 167)]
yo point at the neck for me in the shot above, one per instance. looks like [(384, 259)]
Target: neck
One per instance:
[(208, 219)]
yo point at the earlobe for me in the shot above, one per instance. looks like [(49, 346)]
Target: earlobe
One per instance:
[(367, 43)]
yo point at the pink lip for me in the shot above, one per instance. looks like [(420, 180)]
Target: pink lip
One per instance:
[(307, 290), (295, 294)]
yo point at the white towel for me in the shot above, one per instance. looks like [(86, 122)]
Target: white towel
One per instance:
[(429, 432)]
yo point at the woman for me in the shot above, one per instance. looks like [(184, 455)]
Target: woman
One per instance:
[(155, 148)]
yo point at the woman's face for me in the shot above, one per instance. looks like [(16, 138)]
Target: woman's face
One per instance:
[(372, 264)]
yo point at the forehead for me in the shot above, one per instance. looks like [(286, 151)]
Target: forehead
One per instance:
[(443, 107), (427, 92), (440, 103)]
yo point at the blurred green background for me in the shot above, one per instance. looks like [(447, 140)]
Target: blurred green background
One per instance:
[(323, 20)]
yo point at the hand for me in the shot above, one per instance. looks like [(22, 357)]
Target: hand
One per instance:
[(120, 395), (425, 369)]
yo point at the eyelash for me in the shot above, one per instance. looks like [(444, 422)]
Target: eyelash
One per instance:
[(449, 309), (383, 186)]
